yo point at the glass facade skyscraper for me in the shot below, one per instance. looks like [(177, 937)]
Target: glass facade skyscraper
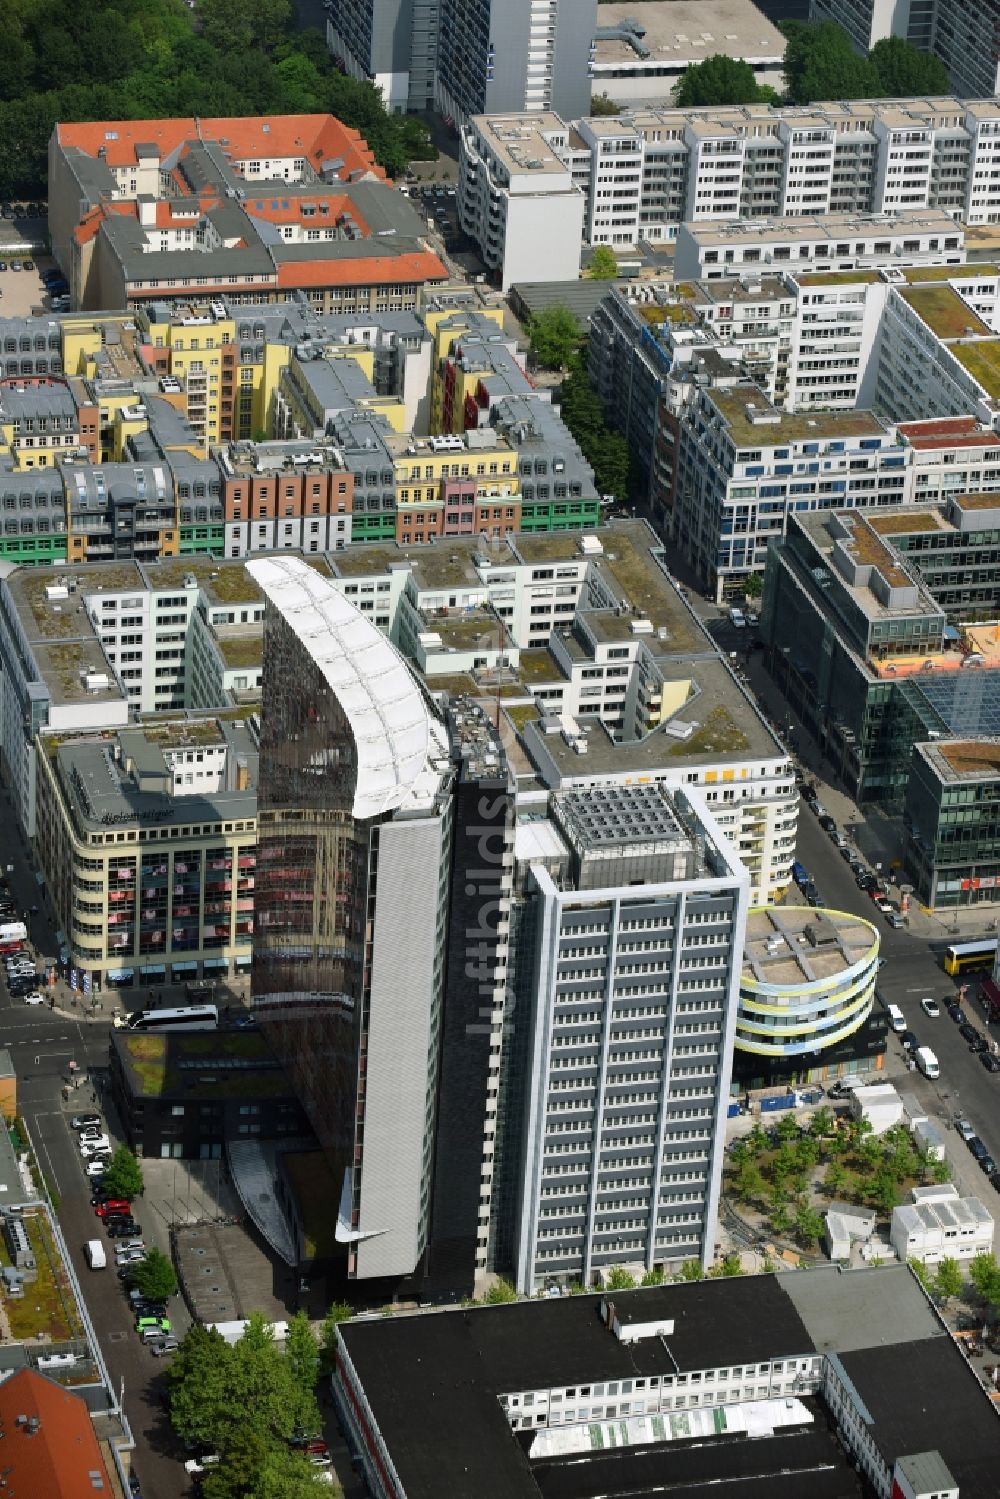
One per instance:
[(351, 899)]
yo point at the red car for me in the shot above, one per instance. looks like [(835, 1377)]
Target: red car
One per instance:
[(113, 1205), (875, 895), (9, 947)]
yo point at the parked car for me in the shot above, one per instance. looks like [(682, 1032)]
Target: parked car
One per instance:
[(966, 1130), (930, 1007), (95, 1167), (987, 1164), (995, 1181), (129, 1256), (908, 1041), (162, 1324), (808, 792), (168, 1344), (112, 1205), (977, 1147), (827, 823), (989, 1061), (85, 1121), (956, 1012)]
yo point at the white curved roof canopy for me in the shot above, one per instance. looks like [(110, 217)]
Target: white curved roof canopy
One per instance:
[(389, 719)]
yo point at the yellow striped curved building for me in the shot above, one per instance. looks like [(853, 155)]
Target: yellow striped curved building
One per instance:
[(808, 980)]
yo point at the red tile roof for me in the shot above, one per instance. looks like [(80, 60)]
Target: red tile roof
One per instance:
[(371, 270), (56, 1458), (336, 205), (317, 138), (948, 432)]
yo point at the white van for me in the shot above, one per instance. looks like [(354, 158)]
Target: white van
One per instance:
[(737, 618), (96, 1257), (896, 1017), (927, 1062)]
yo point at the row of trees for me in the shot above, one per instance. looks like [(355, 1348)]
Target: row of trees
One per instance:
[(776, 1174), (225, 57), (247, 1401), (819, 63), (947, 1281)]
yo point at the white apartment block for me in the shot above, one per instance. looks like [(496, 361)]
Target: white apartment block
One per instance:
[(743, 466), (517, 198), (818, 242), (645, 172)]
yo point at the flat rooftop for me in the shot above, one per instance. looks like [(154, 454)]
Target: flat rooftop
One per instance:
[(832, 226), (742, 404), (161, 1064), (957, 760), (981, 358), (222, 582), (787, 945), (517, 140), (725, 728), (434, 1382), (688, 31), (928, 1398), (946, 313)]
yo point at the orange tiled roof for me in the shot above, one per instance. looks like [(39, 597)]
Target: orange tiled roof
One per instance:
[(417, 266), (316, 138), (336, 204), (58, 1457)]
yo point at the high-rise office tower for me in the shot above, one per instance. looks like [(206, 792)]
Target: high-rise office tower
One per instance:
[(467, 57), (391, 42), (498, 56), (354, 855), (632, 962)]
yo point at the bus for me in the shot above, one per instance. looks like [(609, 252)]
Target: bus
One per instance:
[(192, 1018), (970, 957)]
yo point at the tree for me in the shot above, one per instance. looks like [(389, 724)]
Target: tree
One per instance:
[(620, 1279), (836, 1178), (718, 80), (922, 1271), (749, 1183), (600, 104), (753, 587), (808, 1224), (606, 451), (603, 265), (123, 1174), (780, 1219), (254, 1468), (302, 1352), (339, 1312), (555, 336), (155, 1276), (948, 1281), (787, 1128), (821, 64), (499, 1292), (197, 1379), (692, 1270), (906, 72), (729, 1265), (653, 1277), (984, 1272)]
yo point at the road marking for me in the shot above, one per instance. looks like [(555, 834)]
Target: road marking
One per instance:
[(52, 1169)]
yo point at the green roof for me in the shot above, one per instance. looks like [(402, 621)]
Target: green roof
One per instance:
[(944, 311), (788, 426), (226, 1064), (982, 360)]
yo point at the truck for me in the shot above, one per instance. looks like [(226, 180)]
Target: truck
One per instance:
[(13, 931), (96, 1257), (927, 1062)]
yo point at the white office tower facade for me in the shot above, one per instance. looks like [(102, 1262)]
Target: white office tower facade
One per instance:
[(635, 911)]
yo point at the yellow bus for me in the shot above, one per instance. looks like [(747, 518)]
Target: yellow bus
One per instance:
[(970, 957)]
